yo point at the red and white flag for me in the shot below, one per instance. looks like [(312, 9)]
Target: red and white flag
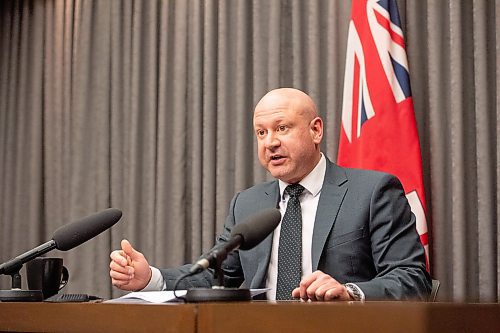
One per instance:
[(379, 130)]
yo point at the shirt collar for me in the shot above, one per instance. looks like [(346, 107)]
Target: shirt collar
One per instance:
[(312, 182)]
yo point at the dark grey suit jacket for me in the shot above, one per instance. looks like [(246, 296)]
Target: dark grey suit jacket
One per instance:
[(364, 233)]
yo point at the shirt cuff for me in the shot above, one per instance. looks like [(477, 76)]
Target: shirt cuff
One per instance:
[(157, 283)]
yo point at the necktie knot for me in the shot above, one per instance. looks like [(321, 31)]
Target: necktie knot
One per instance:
[(294, 190)]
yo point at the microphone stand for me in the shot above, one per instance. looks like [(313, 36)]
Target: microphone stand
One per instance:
[(16, 294), (218, 293)]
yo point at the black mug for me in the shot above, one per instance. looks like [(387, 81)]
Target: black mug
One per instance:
[(46, 274)]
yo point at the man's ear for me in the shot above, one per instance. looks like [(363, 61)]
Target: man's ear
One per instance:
[(316, 128)]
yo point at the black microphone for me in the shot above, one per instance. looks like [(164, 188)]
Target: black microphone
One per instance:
[(67, 237), (244, 236)]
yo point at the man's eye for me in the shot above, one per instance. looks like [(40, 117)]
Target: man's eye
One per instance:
[(260, 133), (281, 128)]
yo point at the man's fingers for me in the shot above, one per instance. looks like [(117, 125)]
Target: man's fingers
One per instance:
[(306, 282), (332, 294), (312, 292), (319, 286), (119, 257), (319, 293), (327, 292), (114, 266), (121, 277), (119, 283)]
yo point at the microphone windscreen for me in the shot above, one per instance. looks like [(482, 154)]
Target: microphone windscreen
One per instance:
[(73, 234), (257, 227)]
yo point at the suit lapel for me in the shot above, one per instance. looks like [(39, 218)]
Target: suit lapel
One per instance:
[(332, 194), (270, 197)]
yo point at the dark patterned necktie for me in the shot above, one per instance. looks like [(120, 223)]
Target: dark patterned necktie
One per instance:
[(290, 246)]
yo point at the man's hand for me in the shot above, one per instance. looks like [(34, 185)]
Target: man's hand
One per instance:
[(129, 269), (319, 286)]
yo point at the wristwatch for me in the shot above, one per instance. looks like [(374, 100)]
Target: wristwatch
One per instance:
[(355, 292)]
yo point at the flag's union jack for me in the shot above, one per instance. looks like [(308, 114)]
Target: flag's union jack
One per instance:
[(378, 122)]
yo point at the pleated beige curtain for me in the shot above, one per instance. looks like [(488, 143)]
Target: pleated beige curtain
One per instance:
[(146, 106)]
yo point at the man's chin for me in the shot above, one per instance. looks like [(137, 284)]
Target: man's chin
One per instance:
[(276, 172), (279, 173)]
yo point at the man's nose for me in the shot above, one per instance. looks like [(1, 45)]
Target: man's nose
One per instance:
[(272, 140)]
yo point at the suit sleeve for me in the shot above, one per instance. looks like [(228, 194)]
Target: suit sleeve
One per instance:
[(397, 252)]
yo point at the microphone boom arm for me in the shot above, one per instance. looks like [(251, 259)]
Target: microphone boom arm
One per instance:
[(15, 264)]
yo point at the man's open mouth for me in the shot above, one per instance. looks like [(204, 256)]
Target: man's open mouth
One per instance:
[(276, 157)]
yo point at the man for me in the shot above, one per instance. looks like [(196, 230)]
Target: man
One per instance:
[(356, 235)]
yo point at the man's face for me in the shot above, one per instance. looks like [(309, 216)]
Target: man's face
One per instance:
[(287, 138)]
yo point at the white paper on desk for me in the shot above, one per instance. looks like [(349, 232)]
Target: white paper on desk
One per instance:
[(154, 296), (166, 296)]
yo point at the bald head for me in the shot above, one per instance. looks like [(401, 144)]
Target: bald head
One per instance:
[(293, 99), (289, 132)]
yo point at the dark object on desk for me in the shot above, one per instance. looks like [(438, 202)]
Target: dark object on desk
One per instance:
[(197, 295), (68, 298), (47, 274), (19, 295)]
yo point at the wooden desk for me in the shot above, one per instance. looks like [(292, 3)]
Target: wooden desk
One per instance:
[(97, 317), (397, 317), (283, 317)]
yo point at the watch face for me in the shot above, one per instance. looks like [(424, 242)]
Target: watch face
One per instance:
[(353, 291)]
